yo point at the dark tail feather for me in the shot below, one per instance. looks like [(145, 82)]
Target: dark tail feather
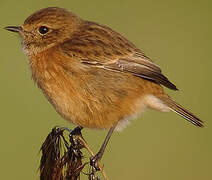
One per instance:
[(181, 111)]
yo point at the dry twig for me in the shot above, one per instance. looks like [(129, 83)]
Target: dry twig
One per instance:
[(62, 159)]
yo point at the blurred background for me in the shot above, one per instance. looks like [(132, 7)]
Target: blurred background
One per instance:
[(175, 34)]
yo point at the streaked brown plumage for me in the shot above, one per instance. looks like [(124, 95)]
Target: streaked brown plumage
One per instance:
[(92, 75)]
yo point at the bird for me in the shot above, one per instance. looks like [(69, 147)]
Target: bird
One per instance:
[(92, 75)]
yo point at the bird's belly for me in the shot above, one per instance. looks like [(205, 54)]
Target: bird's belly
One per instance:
[(98, 111), (95, 98), (96, 117)]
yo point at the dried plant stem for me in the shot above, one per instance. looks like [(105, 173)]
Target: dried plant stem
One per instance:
[(62, 159)]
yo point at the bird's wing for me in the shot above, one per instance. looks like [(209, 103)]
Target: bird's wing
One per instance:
[(100, 46), (136, 64)]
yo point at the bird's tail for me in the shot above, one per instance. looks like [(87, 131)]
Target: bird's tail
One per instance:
[(181, 111)]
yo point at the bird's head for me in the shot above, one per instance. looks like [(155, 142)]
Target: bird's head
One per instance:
[(46, 28)]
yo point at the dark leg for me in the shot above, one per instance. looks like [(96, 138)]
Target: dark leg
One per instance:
[(94, 160)]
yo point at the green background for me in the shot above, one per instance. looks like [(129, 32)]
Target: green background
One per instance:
[(175, 34)]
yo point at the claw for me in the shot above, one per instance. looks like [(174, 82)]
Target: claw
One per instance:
[(94, 162), (76, 131), (67, 129)]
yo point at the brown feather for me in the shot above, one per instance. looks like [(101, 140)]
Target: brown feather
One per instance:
[(141, 70), (108, 49), (92, 75), (181, 111)]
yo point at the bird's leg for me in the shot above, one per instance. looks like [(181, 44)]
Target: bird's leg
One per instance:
[(95, 159)]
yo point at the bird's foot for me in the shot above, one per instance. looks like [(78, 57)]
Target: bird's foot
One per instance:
[(94, 161), (75, 131)]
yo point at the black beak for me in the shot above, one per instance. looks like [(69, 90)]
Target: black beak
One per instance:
[(14, 28)]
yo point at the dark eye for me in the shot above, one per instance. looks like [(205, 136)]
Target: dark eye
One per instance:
[(43, 29)]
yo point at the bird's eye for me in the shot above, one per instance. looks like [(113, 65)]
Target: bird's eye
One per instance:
[(43, 30)]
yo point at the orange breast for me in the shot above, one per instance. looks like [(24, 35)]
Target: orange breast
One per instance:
[(88, 96)]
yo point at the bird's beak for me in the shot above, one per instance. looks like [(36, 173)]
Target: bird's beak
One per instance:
[(14, 28)]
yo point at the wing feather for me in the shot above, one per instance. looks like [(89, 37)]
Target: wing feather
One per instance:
[(99, 46), (142, 68)]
